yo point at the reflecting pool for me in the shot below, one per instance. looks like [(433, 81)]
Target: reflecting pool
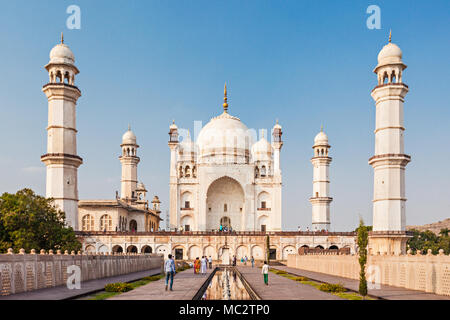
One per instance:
[(226, 285)]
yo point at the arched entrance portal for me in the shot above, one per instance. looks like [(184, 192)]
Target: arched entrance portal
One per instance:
[(225, 203), (133, 226), (117, 249), (146, 249), (132, 249), (225, 222)]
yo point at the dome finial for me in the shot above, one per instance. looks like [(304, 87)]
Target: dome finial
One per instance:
[(390, 35), (225, 99), (62, 38), (321, 128), (129, 127)]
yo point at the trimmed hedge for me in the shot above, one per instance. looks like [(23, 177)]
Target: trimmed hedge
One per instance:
[(280, 272), (185, 267), (153, 278), (300, 279), (330, 287), (118, 287)]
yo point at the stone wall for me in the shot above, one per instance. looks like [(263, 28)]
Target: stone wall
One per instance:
[(26, 272), (429, 273)]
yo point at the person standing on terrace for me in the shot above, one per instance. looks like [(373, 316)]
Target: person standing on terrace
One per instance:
[(170, 270)]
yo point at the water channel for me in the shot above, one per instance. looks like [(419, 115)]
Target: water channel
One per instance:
[(226, 284)]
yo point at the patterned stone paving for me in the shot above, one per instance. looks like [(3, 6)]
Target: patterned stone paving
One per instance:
[(185, 286), (281, 288)]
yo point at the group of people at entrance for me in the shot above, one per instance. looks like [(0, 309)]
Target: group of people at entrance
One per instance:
[(200, 265), (225, 229), (244, 261)]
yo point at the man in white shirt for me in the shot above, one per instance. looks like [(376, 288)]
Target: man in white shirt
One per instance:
[(203, 265), (210, 262), (265, 272)]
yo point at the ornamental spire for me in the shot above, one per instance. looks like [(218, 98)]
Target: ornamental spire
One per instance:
[(62, 38), (225, 99), (390, 35)]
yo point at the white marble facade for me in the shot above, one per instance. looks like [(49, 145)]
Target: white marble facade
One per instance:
[(225, 177)]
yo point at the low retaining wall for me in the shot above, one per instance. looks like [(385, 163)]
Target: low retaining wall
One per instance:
[(429, 273), (26, 272)]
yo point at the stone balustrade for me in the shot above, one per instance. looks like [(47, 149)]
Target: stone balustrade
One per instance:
[(26, 272), (429, 273)]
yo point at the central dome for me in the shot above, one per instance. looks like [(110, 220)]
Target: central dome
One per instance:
[(225, 139)]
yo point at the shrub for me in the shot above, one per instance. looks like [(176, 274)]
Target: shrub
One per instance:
[(280, 272), (301, 279), (183, 267), (330, 287), (153, 278), (118, 287)]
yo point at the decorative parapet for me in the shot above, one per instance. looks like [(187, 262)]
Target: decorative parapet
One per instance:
[(423, 272), (26, 272)]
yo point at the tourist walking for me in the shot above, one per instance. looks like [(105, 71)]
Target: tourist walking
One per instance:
[(252, 260), (210, 262), (170, 270), (203, 265), (197, 265), (265, 272), (234, 261), (245, 260)]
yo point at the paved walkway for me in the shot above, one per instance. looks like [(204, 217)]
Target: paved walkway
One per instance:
[(63, 293), (385, 292), (281, 288), (185, 286)]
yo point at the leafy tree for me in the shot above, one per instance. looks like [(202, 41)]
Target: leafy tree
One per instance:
[(363, 240), (444, 232), (368, 228), (267, 248), (30, 221), (424, 240)]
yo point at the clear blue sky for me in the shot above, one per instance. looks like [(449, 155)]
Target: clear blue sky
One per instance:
[(303, 62)]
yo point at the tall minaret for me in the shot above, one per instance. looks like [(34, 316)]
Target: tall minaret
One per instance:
[(61, 158), (129, 160), (173, 182), (277, 144), (390, 160), (321, 183)]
